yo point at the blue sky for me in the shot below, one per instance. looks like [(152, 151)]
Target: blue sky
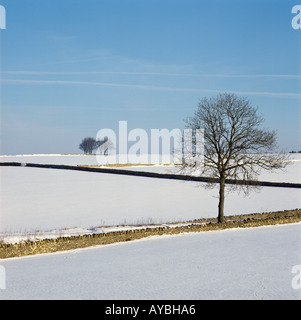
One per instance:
[(70, 68)]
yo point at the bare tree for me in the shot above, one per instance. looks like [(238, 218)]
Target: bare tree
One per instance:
[(234, 144)]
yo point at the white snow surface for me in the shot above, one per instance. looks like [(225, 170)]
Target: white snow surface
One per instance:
[(39, 202), (253, 263)]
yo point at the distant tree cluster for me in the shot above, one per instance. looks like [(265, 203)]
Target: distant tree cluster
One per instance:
[(293, 151), (89, 144)]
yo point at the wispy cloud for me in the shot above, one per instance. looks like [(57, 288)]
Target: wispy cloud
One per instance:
[(202, 75), (148, 87)]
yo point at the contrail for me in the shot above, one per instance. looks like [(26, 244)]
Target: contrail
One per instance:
[(148, 87), (202, 75)]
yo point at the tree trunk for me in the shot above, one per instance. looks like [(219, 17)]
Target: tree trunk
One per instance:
[(221, 200)]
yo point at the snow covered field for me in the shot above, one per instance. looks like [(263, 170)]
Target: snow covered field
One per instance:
[(38, 200), (253, 263)]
